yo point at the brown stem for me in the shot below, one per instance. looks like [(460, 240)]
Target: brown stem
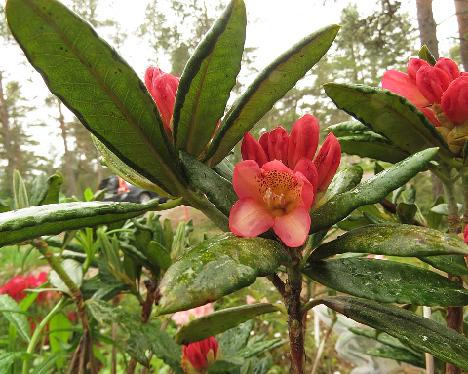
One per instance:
[(278, 283), (152, 297), (295, 323)]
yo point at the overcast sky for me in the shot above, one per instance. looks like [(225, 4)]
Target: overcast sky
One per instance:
[(278, 24)]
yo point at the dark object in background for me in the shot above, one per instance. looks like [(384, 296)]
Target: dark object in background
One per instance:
[(119, 190)]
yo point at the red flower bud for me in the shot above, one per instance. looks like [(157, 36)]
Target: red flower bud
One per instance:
[(449, 66), (275, 144), (163, 88), (327, 161), (308, 169), (430, 115), (414, 64), (432, 82), (304, 139), (197, 356), (252, 150), (465, 234), (455, 100)]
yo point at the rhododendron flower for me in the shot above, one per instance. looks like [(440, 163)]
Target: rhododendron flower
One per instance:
[(272, 196), (15, 287), (184, 317), (297, 150), (198, 356), (455, 100), (163, 88)]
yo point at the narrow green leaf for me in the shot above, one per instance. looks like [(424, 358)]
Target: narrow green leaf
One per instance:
[(398, 354), (207, 80), (270, 86), (388, 114), (75, 272), (29, 223), (218, 267), (387, 282), (20, 194), (393, 240), (218, 190), (421, 333), (158, 255), (12, 312), (349, 128), (46, 190), (345, 180), (96, 84), (425, 54), (371, 191), (126, 172), (7, 359), (452, 264), (371, 146), (381, 337), (220, 321)]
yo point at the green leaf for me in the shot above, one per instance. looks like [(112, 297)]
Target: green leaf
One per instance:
[(421, 333), (157, 254), (345, 180), (59, 334), (96, 84), (7, 359), (207, 80), (126, 172), (393, 240), (218, 190), (20, 194), (75, 272), (13, 313), (387, 282), (350, 128), (46, 190), (425, 54), (220, 321), (233, 340), (371, 146), (388, 114), (371, 191), (398, 354), (139, 339), (270, 86), (442, 209), (29, 223), (452, 264), (381, 337), (218, 267)]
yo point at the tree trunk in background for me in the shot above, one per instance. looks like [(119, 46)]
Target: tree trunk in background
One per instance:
[(70, 180), (427, 26), (461, 8), (6, 136)]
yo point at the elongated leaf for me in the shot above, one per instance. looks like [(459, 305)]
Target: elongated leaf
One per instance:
[(95, 83), (371, 146), (220, 321), (371, 191), (20, 194), (29, 223), (218, 267), (46, 190), (345, 180), (126, 172), (387, 282), (350, 128), (421, 333), (452, 264), (270, 86), (393, 240), (207, 80), (381, 337), (218, 190), (398, 354), (7, 359), (388, 114), (426, 55), (12, 312)]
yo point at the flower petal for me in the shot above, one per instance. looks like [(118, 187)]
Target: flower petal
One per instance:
[(249, 218), (401, 84), (304, 139), (293, 228), (246, 178), (251, 150)]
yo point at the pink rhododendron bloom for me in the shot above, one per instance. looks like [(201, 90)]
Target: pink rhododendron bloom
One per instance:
[(297, 151), (15, 287), (271, 196), (455, 100), (198, 356), (465, 234), (163, 88), (184, 317), (425, 86)]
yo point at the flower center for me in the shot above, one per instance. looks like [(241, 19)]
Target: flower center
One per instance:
[(280, 191)]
